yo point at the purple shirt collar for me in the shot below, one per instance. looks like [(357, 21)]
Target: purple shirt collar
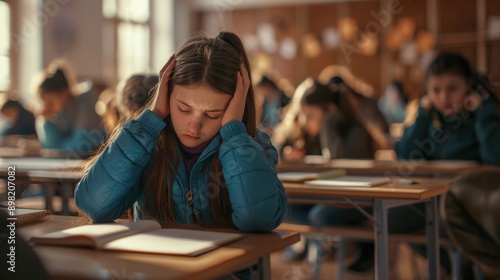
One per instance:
[(191, 154)]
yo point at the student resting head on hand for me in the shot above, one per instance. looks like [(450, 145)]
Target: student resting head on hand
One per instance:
[(454, 122), (68, 123)]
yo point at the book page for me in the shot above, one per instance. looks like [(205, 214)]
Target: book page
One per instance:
[(350, 181), (173, 241), (296, 176), (305, 176), (95, 235), (314, 159)]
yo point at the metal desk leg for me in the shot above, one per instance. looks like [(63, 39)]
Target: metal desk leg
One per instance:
[(66, 189), (432, 238), (49, 196), (262, 269), (381, 240)]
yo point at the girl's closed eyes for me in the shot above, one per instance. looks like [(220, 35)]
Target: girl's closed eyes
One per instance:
[(210, 116), (183, 110), (214, 116)]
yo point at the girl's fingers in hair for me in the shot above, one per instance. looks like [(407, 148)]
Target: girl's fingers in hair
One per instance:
[(245, 78), (164, 68), (236, 107), (167, 70), (160, 104)]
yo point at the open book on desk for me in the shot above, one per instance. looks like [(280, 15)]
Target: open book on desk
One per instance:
[(350, 181), (144, 236), (299, 177)]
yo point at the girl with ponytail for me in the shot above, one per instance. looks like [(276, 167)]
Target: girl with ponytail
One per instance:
[(68, 122)]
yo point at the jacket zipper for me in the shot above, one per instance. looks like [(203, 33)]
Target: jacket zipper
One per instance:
[(191, 178)]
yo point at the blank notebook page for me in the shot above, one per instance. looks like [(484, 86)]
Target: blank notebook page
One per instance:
[(173, 241), (350, 181)]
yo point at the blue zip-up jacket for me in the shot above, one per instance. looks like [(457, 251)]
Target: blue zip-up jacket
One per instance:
[(467, 136), (114, 182)]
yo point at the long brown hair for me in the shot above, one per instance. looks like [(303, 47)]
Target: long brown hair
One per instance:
[(213, 62)]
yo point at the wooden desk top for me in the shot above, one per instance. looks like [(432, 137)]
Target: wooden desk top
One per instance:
[(425, 188), (12, 152), (81, 263), (392, 168), (25, 165), (16, 152), (36, 163), (55, 176)]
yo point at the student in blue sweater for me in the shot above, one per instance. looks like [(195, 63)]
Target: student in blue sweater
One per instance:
[(194, 155), (69, 123), (456, 121)]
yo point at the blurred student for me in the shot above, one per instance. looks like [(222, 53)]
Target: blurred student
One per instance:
[(21, 122), (193, 155), (107, 109), (68, 123), (118, 106), (329, 126), (361, 98), (325, 123), (273, 99), (134, 94), (453, 123)]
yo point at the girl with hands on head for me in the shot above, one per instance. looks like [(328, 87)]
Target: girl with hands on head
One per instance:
[(453, 122), (193, 155)]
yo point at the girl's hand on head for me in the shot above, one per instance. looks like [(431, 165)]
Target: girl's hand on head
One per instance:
[(426, 103), (236, 107), (160, 104), (472, 102), (47, 115)]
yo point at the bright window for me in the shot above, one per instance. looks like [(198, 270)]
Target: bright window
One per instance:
[(4, 46), (128, 29), (133, 49)]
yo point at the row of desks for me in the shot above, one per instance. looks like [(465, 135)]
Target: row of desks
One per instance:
[(381, 198), (431, 178), (397, 168), (54, 174)]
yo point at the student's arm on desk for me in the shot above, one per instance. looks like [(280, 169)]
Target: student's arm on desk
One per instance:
[(113, 183), (417, 132), (488, 132), (257, 196)]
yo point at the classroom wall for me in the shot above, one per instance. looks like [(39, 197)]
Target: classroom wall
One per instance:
[(75, 33), (458, 25), (73, 29)]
